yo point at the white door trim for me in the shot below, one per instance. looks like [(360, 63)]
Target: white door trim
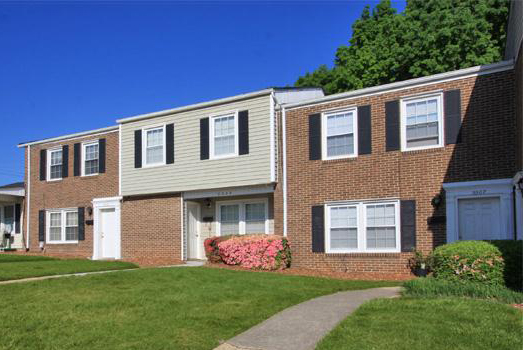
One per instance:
[(501, 188), (106, 203)]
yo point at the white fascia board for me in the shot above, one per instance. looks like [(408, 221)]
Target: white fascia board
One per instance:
[(71, 136)]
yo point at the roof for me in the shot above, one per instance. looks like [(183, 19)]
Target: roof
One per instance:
[(405, 84), (70, 136), (13, 185)]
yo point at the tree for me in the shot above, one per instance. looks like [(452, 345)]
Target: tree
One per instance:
[(429, 37)]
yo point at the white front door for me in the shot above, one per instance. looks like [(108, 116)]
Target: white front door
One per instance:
[(108, 234), (195, 245), (479, 219)]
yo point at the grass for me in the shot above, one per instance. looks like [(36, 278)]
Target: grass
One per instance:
[(409, 323), (167, 308), (432, 287), (13, 267)]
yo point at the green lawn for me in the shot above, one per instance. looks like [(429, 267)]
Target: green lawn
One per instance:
[(434, 324), (165, 308), (14, 267)]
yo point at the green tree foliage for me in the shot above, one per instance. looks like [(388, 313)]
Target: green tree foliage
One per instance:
[(429, 37)]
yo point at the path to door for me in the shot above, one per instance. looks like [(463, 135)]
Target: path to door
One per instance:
[(302, 326)]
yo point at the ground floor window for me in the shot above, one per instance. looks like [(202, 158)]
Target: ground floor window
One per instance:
[(7, 219), (62, 226), (362, 227), (242, 217)]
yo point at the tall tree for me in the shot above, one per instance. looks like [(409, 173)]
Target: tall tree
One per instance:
[(429, 37)]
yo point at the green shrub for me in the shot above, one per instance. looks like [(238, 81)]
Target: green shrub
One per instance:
[(512, 253), (432, 287), (476, 261)]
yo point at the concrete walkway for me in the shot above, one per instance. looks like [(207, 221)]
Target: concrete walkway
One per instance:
[(302, 326)]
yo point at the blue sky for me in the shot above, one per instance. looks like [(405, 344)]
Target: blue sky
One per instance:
[(73, 66)]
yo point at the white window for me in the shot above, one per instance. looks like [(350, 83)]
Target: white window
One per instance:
[(154, 146), (339, 134), (54, 164), (242, 217), (422, 122), (224, 136), (90, 158), (362, 227), (62, 226)]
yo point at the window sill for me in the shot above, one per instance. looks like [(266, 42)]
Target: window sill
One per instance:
[(90, 175), (54, 180), (58, 243), (340, 160), (223, 157), (365, 254), (423, 150), (148, 166)]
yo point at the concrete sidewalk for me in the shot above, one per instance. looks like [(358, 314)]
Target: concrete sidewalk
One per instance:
[(302, 326)]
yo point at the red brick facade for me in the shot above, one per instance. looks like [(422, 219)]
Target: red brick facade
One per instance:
[(487, 151), (70, 192)]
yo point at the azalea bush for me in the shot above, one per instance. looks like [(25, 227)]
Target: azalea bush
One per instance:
[(264, 252), (211, 247), (475, 261)]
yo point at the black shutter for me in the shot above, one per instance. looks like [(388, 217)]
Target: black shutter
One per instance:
[(138, 148), (65, 161), (318, 229), (392, 125), (408, 225), (81, 223), (77, 159), (41, 225), (364, 130), (101, 155), (169, 143), (452, 109), (315, 136), (204, 138), (18, 214), (43, 164), (243, 132)]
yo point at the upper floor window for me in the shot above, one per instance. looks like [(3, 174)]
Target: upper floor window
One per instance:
[(422, 122), (339, 136), (62, 226), (91, 157), (54, 164), (224, 136), (154, 146), (362, 227)]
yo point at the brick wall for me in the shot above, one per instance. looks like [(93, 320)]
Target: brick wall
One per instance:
[(151, 229), (71, 192), (487, 152)]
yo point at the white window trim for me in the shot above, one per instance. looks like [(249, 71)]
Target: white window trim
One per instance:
[(84, 146), (241, 204), (500, 188), (144, 146), (211, 135), (49, 152), (362, 227), (62, 225), (403, 121), (324, 117), (2, 219)]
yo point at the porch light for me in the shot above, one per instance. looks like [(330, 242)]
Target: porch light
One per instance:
[(436, 201), (520, 184), (90, 211), (208, 202)]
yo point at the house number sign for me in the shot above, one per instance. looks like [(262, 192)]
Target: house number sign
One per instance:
[(479, 192), (223, 193)]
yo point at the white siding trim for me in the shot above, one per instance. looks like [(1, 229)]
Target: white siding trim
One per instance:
[(119, 160), (28, 198), (272, 139), (75, 136), (284, 175)]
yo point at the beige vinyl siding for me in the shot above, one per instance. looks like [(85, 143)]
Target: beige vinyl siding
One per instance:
[(189, 172)]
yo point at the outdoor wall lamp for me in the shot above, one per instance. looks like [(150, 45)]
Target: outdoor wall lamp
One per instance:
[(90, 211), (208, 202), (436, 201)]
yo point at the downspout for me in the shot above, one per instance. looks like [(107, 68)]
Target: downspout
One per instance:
[(514, 210), (284, 172), (28, 197)]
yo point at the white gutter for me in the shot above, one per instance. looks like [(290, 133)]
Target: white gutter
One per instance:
[(70, 136), (272, 139), (400, 85), (196, 106), (284, 173), (28, 196)]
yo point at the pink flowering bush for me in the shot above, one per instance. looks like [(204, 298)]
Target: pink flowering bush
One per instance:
[(264, 252), (211, 247)]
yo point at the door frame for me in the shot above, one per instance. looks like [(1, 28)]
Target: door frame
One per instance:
[(98, 205), (501, 188), (198, 230)]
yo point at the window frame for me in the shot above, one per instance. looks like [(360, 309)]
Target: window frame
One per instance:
[(63, 222), (84, 146), (361, 218), (403, 120), (48, 165), (324, 116), (241, 215), (212, 119), (144, 146)]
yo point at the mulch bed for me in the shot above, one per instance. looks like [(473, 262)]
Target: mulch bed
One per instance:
[(325, 274)]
